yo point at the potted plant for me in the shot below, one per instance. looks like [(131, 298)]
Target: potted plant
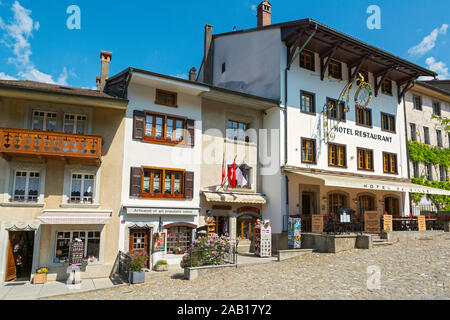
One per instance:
[(137, 260), (161, 265), (40, 276)]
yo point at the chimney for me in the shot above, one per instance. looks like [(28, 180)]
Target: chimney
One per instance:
[(208, 40), (98, 82), (105, 57), (264, 11), (192, 74)]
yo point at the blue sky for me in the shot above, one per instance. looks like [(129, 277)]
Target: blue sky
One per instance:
[(167, 36)]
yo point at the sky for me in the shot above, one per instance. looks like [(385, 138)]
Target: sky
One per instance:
[(167, 36)]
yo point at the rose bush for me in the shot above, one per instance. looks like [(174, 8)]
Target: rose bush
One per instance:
[(207, 251)]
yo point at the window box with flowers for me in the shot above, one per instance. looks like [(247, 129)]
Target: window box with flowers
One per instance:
[(40, 276)]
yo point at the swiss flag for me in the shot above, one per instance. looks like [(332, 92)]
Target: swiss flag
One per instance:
[(232, 175)]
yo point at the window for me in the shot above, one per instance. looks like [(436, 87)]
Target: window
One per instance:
[(237, 130), (75, 123), (308, 151), (413, 131), (389, 163), (223, 67), (307, 103), (366, 203), (439, 138), (416, 170), (335, 69), (364, 117), (386, 87), (166, 98), (442, 173), (336, 201), (26, 186), (159, 127), (246, 173), (417, 101), (81, 188), (429, 172), (426, 135), (436, 108), (365, 159), (178, 237), (162, 183), (336, 109), (91, 240), (307, 60), (43, 120), (387, 122), (337, 155)]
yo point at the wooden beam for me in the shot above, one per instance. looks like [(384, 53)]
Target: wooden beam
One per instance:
[(5, 156), (358, 65), (328, 55), (293, 48), (383, 75), (401, 93)]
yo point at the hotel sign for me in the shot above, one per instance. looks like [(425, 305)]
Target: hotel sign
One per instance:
[(422, 225), (162, 211), (364, 134)]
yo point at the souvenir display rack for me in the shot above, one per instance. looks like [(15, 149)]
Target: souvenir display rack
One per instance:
[(77, 253), (262, 238)]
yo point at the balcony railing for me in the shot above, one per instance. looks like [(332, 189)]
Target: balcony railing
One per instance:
[(47, 144)]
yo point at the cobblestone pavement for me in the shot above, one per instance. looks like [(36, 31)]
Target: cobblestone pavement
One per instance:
[(416, 269)]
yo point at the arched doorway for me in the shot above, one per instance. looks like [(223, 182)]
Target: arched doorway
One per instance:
[(245, 222), (366, 202), (392, 206), (336, 201)]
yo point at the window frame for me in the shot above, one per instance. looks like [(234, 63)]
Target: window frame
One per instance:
[(162, 194), (44, 125), (364, 124), (164, 139), (439, 141), (420, 102), (388, 117), (169, 250), (426, 135), (443, 173), (313, 101), (386, 87), (165, 92), (413, 134), (75, 123), (249, 184), (365, 150), (331, 69), (26, 196), (429, 169), (86, 231), (438, 104), (314, 144), (337, 146), (81, 201), (313, 61), (390, 155), (235, 139), (339, 112)]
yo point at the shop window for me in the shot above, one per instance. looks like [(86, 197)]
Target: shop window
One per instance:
[(307, 60), (413, 131), (337, 155), (162, 183), (417, 101), (91, 240), (439, 138), (43, 120), (389, 163), (81, 188), (26, 186), (308, 151), (237, 131), (164, 128), (365, 159), (75, 123), (437, 109), (386, 87), (364, 117), (178, 237), (426, 135), (307, 103), (336, 201), (336, 109), (335, 69), (166, 98), (387, 122)]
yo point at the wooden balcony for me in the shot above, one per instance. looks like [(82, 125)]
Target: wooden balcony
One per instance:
[(46, 144)]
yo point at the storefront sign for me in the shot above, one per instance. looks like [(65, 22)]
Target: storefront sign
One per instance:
[(317, 223), (421, 223), (387, 223), (372, 222), (364, 134), (162, 211), (159, 241)]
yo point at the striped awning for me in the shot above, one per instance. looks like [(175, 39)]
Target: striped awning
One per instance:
[(230, 197), (75, 216)]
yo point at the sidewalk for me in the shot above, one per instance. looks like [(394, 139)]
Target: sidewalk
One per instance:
[(26, 291)]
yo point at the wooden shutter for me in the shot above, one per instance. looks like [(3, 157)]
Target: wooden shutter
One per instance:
[(11, 264), (189, 185), (136, 182), (138, 124), (190, 132)]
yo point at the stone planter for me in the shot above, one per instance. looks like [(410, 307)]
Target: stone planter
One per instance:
[(40, 278), (136, 277), (161, 267)]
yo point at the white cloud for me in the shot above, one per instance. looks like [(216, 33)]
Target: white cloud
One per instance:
[(429, 42), (4, 76), (439, 67), (253, 7), (17, 37)]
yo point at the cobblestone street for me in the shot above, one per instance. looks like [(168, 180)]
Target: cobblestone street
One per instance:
[(416, 269)]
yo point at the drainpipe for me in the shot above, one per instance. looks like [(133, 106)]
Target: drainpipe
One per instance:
[(407, 144)]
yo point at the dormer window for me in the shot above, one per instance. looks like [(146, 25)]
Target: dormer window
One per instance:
[(335, 69), (307, 60)]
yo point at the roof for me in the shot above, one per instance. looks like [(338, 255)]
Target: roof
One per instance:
[(331, 36), (54, 88), (441, 85)]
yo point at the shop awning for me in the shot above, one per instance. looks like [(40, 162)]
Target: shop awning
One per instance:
[(345, 181), (231, 197), (75, 216)]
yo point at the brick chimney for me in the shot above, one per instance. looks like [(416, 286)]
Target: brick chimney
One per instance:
[(264, 11), (105, 57), (192, 74)]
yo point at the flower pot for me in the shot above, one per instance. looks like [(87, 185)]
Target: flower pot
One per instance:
[(161, 267), (136, 277), (40, 278)]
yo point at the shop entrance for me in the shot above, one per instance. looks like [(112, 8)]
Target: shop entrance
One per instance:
[(307, 203), (140, 241), (222, 227), (244, 227), (391, 206), (20, 255)]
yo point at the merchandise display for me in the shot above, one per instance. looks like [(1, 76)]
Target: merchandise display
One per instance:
[(263, 238)]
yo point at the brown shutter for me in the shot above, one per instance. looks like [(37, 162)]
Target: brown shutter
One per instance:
[(138, 124), (190, 132), (136, 182), (189, 185)]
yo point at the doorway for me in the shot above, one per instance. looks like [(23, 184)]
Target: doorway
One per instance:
[(307, 203), (20, 256), (244, 226), (392, 206), (140, 241)]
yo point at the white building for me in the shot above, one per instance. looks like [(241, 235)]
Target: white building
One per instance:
[(306, 65)]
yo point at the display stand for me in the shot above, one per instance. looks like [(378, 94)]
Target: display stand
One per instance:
[(210, 226), (263, 239), (76, 259)]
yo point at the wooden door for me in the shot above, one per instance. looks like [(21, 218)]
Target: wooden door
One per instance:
[(139, 241), (11, 271), (391, 206), (307, 203)]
